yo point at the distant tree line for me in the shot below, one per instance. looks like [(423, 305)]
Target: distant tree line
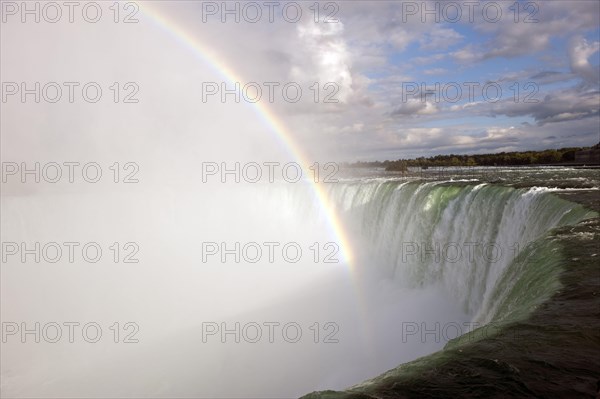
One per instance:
[(562, 155)]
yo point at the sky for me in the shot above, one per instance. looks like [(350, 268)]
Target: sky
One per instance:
[(394, 79), (544, 59), (546, 65)]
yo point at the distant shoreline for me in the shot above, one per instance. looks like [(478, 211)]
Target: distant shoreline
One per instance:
[(574, 165), (568, 157)]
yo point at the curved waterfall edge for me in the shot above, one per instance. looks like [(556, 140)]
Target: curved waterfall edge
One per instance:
[(542, 331)]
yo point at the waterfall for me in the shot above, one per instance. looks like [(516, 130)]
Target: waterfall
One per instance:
[(433, 253), (462, 236)]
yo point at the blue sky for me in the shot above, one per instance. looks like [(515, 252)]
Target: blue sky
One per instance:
[(553, 63), (373, 54), (374, 51)]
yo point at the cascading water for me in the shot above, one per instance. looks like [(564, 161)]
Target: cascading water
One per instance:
[(461, 236), (406, 238), (533, 305)]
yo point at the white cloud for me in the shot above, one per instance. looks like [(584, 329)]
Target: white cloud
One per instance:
[(468, 55), (509, 39), (440, 39), (414, 106), (324, 48), (579, 53)]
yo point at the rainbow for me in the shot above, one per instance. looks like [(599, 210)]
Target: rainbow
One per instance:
[(213, 59)]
